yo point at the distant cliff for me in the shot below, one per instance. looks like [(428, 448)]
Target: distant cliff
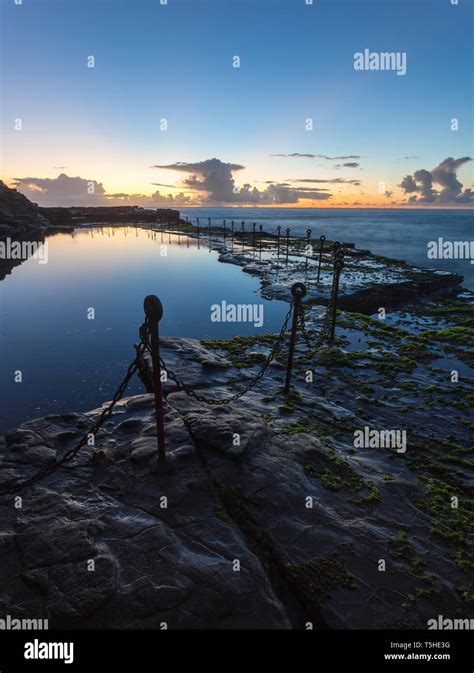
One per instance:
[(19, 216)]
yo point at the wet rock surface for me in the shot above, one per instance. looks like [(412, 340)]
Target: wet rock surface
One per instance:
[(116, 540)]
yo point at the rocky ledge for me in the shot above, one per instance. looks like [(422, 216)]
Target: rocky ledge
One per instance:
[(266, 514)]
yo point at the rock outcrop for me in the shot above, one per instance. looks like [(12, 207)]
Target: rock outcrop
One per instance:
[(18, 215), (116, 540)]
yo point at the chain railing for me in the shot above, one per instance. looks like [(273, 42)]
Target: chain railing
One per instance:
[(227, 400), (149, 343), (93, 430)]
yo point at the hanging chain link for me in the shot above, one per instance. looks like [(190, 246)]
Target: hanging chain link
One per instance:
[(227, 400), (69, 455)]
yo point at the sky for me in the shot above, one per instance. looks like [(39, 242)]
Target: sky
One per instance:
[(238, 102)]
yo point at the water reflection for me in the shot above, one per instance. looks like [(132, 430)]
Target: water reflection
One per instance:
[(71, 363)]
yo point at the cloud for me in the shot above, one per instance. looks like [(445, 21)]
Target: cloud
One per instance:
[(317, 156), (160, 184), (296, 155), (63, 190), (450, 190), (212, 175), (76, 191), (339, 181), (411, 156), (215, 178)]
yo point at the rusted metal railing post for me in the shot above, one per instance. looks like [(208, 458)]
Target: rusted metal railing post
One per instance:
[(321, 246), (278, 241), (154, 312), (254, 235), (308, 243), (338, 266), (298, 290), (260, 227), (287, 242)]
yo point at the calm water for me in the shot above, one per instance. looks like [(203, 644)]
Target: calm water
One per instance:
[(70, 363), (402, 234)]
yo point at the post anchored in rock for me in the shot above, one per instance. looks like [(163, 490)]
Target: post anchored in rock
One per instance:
[(321, 246), (154, 312), (308, 243), (298, 290), (338, 266), (278, 241), (287, 242), (254, 236), (260, 227)]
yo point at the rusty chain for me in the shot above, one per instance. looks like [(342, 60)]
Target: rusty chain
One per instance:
[(135, 365), (227, 400), (71, 453)]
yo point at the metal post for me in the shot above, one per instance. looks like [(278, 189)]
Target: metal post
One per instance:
[(287, 242), (278, 241), (243, 234), (338, 266), (308, 243), (210, 236), (260, 226), (321, 246), (154, 312), (232, 235), (298, 290), (224, 231), (254, 235)]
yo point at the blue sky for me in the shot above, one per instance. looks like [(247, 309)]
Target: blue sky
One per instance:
[(175, 62)]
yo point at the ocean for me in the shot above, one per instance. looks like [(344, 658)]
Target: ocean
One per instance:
[(398, 233)]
